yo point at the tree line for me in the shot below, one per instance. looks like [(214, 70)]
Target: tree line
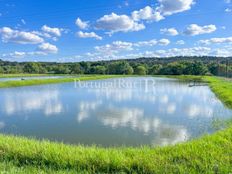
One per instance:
[(143, 66)]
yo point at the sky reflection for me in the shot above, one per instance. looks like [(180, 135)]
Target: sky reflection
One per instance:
[(28, 101), (168, 113)]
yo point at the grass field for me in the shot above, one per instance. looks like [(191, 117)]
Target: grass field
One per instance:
[(24, 75), (208, 154), (31, 82)]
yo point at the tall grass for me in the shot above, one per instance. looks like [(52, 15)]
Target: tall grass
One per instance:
[(210, 154)]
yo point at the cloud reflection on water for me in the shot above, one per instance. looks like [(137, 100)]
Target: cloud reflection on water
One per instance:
[(172, 99), (25, 101), (136, 120), (2, 124), (169, 113)]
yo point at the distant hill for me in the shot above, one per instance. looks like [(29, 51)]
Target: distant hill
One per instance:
[(204, 59), (153, 66)]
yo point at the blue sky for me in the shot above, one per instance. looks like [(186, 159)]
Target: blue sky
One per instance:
[(84, 30)]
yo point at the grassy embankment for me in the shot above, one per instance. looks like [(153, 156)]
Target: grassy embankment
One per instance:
[(209, 154), (31, 82), (25, 75)]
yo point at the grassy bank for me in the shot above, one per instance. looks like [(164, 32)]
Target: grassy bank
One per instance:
[(23, 75), (222, 88), (31, 82), (209, 154)]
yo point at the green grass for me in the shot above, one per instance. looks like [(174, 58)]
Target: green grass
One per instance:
[(9, 167), (31, 82), (186, 78), (208, 154), (222, 88), (25, 75)]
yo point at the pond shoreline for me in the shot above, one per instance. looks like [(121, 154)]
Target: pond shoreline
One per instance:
[(209, 154), (32, 82)]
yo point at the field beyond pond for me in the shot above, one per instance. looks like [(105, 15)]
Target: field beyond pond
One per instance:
[(207, 154), (43, 81)]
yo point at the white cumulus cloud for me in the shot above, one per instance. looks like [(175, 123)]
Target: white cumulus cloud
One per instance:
[(116, 23), (124, 23), (147, 13), (164, 42), (195, 29), (20, 37), (115, 47), (50, 30), (228, 10), (146, 43), (169, 7), (216, 40), (88, 35), (169, 31), (180, 42), (164, 8), (153, 42), (22, 54), (16, 54), (82, 24), (173, 52), (47, 48)]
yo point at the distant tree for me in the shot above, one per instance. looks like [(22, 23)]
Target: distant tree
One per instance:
[(98, 70), (121, 67), (62, 69), (199, 68), (168, 66), (222, 70), (85, 67), (140, 70), (155, 69), (43, 70), (230, 71), (195, 68), (129, 70), (76, 69), (213, 68), (1, 70), (12, 70), (31, 67), (175, 68)]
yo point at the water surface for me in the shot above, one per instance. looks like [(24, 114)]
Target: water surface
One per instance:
[(111, 112)]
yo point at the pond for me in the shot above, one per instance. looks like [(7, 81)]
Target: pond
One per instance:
[(3, 79), (113, 112)]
